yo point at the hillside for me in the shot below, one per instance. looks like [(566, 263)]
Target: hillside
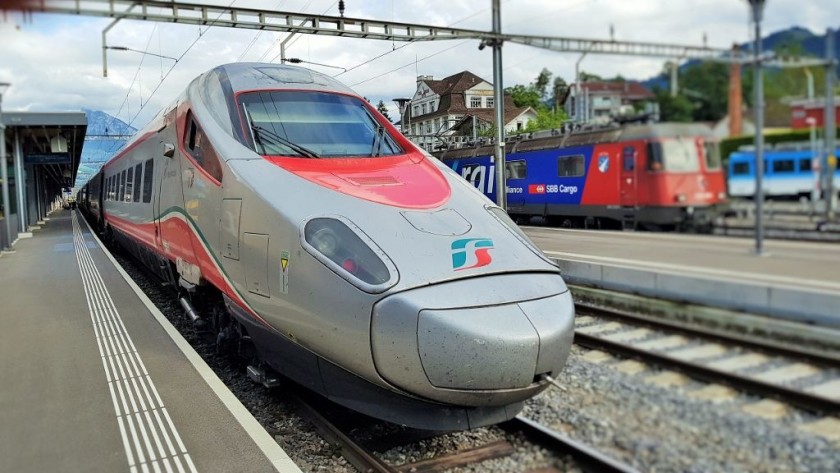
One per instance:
[(99, 147), (811, 45)]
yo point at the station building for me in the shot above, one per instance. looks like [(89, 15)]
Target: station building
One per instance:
[(42, 155)]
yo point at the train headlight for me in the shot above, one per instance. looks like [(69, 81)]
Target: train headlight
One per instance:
[(344, 248), (680, 197)]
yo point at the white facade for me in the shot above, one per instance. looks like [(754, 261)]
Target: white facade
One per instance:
[(425, 126)]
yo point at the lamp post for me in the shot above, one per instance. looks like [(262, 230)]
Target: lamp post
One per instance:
[(4, 174), (402, 103), (757, 13)]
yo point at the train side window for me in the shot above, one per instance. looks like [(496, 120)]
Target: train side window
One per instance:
[(571, 166), (654, 162), (148, 178), (628, 158), (712, 155), (516, 170), (740, 169), (137, 172), (784, 165), (129, 185), (202, 153), (805, 165), (121, 192)]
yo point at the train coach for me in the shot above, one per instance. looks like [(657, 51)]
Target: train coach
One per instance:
[(305, 233), (788, 174), (659, 176)]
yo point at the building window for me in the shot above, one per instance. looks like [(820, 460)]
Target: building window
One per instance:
[(423, 107), (416, 110), (518, 126), (475, 102), (429, 126), (489, 102)]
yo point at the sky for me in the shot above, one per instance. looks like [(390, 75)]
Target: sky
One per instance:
[(54, 62)]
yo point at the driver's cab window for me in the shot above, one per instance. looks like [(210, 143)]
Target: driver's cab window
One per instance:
[(200, 150)]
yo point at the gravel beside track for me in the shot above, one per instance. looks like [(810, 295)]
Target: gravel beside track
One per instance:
[(651, 428), (663, 429)]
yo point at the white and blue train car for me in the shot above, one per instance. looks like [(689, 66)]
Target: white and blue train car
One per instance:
[(787, 173)]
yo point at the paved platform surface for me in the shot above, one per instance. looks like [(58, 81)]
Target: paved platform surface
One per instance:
[(798, 280), (94, 380)]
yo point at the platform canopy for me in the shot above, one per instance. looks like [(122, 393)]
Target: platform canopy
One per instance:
[(51, 140)]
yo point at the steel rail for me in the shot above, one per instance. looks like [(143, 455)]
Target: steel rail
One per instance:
[(830, 359), (589, 458), (354, 453), (801, 399)]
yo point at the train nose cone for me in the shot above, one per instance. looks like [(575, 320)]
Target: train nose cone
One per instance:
[(490, 348), (481, 348)]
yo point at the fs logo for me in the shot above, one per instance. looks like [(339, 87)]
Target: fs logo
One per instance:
[(478, 250)]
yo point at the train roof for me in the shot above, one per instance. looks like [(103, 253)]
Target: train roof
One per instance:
[(557, 139), (248, 76), (665, 130)]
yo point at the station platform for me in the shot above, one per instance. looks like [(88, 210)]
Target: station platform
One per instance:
[(95, 379), (798, 281)]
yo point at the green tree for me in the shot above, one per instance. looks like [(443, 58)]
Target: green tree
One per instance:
[(707, 85), (559, 91), (541, 84), (524, 96), (673, 109), (588, 77), (383, 109), (546, 120)]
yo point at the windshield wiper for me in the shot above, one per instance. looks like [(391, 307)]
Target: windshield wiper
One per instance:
[(261, 133), (379, 135)]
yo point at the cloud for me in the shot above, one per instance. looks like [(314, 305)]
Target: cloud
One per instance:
[(55, 62)]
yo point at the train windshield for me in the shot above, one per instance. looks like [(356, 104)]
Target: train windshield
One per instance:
[(673, 154), (315, 125)]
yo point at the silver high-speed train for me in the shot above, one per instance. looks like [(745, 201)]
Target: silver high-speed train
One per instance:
[(296, 220)]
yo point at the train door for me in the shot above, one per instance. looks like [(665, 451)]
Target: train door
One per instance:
[(201, 181), (629, 179), (175, 235)]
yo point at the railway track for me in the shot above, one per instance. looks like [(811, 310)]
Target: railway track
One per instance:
[(333, 424), (796, 375)]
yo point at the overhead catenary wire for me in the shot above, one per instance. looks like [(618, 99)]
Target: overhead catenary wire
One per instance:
[(131, 86), (277, 41), (298, 37), (412, 63), (171, 68), (257, 36), (409, 43)]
